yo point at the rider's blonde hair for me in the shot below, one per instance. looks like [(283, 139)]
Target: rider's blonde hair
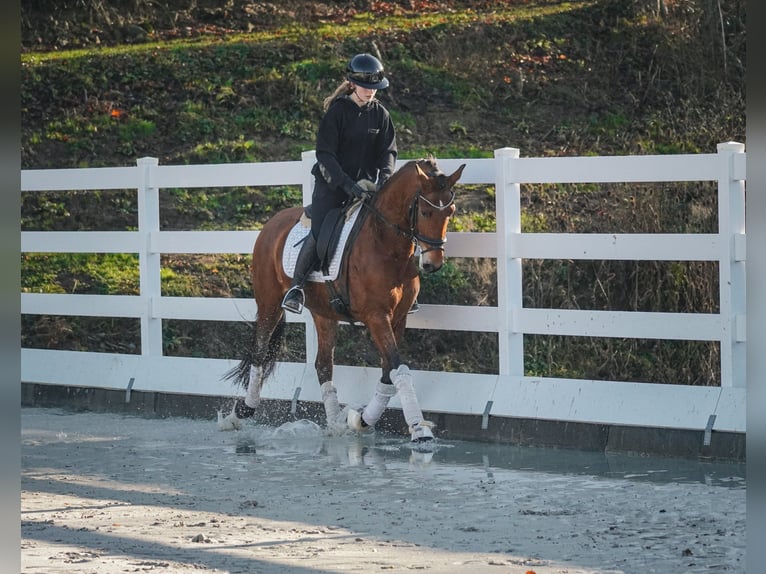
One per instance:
[(345, 87)]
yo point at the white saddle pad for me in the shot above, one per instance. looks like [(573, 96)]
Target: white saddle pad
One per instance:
[(294, 242)]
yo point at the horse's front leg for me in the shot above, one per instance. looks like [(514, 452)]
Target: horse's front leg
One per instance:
[(396, 379), (327, 331)]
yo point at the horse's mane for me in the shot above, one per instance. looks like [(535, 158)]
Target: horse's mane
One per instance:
[(429, 159)]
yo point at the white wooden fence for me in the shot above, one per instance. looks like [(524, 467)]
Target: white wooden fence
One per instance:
[(508, 393)]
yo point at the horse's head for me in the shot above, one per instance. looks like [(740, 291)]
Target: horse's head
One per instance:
[(433, 205)]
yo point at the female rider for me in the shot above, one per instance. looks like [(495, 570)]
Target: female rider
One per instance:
[(356, 141)]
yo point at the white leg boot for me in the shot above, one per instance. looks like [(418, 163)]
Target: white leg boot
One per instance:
[(253, 396), (420, 429), (373, 411), (252, 400), (336, 417), (330, 400)]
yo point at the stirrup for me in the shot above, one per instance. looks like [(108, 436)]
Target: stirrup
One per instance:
[(421, 432), (415, 307), (293, 300)]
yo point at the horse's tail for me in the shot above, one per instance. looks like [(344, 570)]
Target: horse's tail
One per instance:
[(266, 359)]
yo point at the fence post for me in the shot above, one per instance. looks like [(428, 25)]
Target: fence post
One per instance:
[(509, 291), (312, 344), (308, 158), (731, 228), (149, 261)]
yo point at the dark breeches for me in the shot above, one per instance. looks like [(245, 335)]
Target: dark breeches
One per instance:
[(323, 199)]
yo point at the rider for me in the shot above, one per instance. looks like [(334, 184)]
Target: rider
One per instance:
[(356, 141)]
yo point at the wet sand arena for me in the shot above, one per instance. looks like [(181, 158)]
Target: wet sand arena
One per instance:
[(106, 494)]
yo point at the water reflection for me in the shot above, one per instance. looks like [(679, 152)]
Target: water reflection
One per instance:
[(380, 449)]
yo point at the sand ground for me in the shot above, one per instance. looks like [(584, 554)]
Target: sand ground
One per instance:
[(107, 494)]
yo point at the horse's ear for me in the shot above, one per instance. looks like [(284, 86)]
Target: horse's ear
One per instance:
[(456, 175), (421, 173)]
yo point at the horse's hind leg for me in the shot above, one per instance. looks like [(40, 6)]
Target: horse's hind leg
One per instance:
[(327, 331), (254, 368)]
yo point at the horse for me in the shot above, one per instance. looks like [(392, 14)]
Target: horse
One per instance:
[(378, 282)]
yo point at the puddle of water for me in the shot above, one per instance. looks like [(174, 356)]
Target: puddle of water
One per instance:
[(307, 438), (303, 439)]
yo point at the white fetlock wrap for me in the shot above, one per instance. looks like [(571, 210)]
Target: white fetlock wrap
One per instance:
[(330, 400), (253, 396), (229, 422), (336, 416), (402, 379), (374, 410)]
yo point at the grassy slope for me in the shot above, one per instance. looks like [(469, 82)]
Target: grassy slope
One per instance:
[(551, 78)]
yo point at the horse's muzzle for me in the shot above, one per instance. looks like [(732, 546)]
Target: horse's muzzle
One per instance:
[(431, 260)]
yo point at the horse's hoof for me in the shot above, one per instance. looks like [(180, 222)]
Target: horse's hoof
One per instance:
[(421, 432), (354, 421), (229, 422)]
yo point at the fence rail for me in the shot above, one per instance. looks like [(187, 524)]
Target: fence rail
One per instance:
[(508, 393)]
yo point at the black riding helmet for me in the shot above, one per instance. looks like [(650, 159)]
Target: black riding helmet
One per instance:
[(366, 71)]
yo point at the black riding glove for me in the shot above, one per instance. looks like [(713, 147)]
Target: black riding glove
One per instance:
[(355, 190)]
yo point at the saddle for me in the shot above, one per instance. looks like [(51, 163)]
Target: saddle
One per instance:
[(332, 227), (329, 235), (339, 229)]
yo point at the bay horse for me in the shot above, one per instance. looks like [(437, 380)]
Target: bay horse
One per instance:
[(378, 281)]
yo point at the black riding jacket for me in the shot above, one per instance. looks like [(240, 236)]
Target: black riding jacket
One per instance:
[(355, 143)]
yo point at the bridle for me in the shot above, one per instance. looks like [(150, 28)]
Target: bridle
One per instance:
[(417, 238), (412, 233)]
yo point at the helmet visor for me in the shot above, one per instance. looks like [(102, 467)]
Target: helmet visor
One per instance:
[(365, 79)]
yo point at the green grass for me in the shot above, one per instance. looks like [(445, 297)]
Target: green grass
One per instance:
[(83, 273), (360, 25)]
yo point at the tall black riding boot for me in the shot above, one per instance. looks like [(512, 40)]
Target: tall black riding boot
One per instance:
[(307, 259)]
